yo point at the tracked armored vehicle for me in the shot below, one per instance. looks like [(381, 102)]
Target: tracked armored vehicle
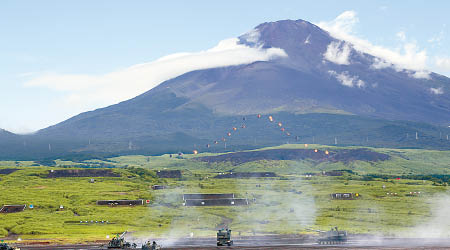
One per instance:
[(119, 242), (224, 237), (334, 236)]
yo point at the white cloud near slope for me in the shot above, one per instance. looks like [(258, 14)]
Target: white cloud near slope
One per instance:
[(437, 91), (410, 57), (94, 91), (347, 80), (338, 52)]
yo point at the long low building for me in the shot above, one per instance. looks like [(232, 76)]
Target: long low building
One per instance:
[(12, 208), (121, 202), (216, 202), (207, 196)]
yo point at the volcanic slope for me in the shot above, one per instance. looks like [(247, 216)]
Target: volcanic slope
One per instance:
[(359, 102)]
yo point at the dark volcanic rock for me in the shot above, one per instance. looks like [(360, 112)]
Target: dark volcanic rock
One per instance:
[(82, 173), (335, 155), (8, 170), (246, 175), (169, 173)]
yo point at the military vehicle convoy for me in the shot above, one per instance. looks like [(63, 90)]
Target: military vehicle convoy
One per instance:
[(334, 236), (119, 242), (224, 237)]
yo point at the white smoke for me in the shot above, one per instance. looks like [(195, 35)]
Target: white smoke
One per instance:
[(438, 226)]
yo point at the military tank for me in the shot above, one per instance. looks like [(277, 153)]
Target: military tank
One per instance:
[(119, 242), (224, 237), (4, 246), (334, 236)]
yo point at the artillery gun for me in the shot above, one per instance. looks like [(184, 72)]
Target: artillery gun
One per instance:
[(224, 237), (334, 236), (119, 242)]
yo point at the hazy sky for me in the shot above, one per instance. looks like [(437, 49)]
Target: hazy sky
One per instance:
[(60, 58)]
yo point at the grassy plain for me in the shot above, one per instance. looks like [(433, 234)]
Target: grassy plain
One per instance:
[(290, 203)]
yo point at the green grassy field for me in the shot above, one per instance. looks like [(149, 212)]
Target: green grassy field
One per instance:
[(290, 203)]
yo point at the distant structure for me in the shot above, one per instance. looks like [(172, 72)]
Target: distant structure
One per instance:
[(121, 202), (158, 187), (213, 200), (345, 196), (12, 208)]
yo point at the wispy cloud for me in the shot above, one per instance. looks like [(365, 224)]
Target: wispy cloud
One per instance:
[(409, 57), (437, 91), (94, 91), (437, 39), (443, 63), (401, 35), (348, 80), (338, 52)]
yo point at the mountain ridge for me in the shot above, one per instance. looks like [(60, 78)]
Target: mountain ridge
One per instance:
[(202, 105)]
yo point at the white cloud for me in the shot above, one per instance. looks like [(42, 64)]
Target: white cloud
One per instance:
[(347, 80), (437, 39), (93, 91), (380, 64), (443, 63), (437, 91), (252, 36), (401, 35), (338, 52), (409, 57), (423, 74)]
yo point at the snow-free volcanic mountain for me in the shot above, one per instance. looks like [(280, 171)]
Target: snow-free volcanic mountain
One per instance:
[(322, 89)]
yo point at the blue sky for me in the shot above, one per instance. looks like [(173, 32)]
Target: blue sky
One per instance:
[(74, 41)]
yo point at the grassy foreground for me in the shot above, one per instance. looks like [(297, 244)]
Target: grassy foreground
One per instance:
[(290, 203)]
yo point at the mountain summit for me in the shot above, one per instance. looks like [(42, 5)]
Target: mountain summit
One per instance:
[(353, 93), (320, 74)]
